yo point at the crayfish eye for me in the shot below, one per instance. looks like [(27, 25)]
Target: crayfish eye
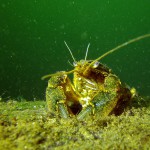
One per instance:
[(74, 64), (95, 65)]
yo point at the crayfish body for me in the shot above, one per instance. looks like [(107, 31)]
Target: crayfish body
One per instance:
[(95, 90)]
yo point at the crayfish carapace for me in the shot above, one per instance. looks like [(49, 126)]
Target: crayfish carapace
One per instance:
[(95, 89)]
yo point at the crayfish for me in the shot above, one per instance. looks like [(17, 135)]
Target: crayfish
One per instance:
[(95, 90)]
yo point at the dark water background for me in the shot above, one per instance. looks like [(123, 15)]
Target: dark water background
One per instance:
[(32, 34)]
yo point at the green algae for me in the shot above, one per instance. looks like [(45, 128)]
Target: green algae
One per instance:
[(27, 125)]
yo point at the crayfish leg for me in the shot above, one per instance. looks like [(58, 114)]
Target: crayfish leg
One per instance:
[(85, 112)]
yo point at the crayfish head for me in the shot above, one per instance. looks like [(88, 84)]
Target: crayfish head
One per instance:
[(82, 67)]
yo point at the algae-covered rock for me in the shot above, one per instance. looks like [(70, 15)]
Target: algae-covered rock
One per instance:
[(27, 125)]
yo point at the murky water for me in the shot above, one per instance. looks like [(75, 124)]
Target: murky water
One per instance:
[(32, 35)]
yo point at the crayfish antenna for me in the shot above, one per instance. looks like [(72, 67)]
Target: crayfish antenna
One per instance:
[(57, 73), (87, 51), (117, 48), (70, 51)]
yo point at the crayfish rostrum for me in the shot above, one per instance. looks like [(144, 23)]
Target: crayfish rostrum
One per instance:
[(95, 90)]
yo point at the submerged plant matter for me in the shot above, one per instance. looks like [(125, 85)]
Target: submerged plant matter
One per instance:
[(96, 90), (27, 125)]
